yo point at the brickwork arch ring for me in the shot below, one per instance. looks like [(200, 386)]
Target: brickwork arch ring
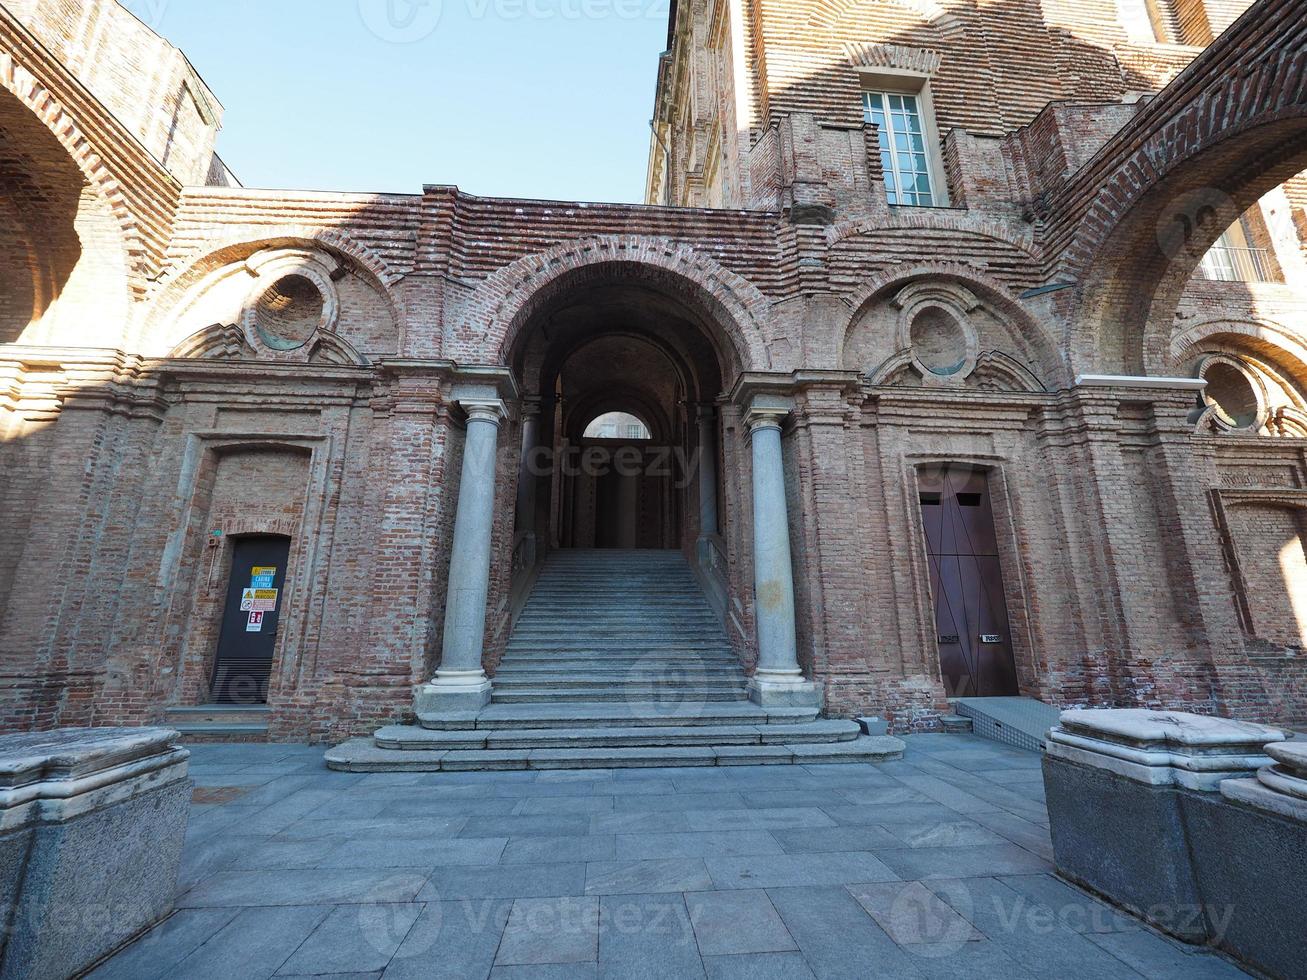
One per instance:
[(1184, 345), (234, 250), (506, 301), (1040, 339), (28, 90), (1187, 167)]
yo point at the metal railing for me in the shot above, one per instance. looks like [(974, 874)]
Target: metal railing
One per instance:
[(1226, 263)]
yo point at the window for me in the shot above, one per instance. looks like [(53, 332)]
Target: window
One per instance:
[(617, 425), (904, 152), (1231, 259)]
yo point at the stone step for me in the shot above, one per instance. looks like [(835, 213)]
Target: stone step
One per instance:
[(651, 637), (633, 655), (608, 590), (669, 695), (412, 738), (363, 755), (619, 715), (217, 714), (639, 648), (618, 683), (199, 724), (605, 670), (617, 616)]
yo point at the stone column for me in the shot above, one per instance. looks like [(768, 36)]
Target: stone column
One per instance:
[(778, 679), (461, 683)]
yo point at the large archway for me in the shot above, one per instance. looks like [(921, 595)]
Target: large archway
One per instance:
[(1134, 223), (628, 339)]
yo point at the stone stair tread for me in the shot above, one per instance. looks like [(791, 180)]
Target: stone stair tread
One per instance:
[(218, 728), (621, 678), (565, 695), (632, 713), (361, 755), (411, 737)]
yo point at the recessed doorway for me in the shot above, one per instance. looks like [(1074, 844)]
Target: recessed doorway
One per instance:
[(243, 663), (966, 582)]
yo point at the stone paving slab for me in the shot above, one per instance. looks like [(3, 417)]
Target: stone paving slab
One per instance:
[(924, 867)]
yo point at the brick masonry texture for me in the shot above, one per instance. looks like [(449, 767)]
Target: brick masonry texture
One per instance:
[(154, 407)]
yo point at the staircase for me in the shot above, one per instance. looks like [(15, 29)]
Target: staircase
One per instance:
[(618, 626), (617, 661)]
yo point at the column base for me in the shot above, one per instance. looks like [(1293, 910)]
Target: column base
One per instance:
[(769, 689), (453, 690)]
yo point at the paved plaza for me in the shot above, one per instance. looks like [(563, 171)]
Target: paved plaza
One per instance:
[(935, 866)]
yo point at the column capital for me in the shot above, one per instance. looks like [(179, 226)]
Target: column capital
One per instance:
[(769, 417), (767, 411), (492, 410)]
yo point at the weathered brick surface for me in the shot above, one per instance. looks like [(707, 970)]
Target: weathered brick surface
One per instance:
[(1151, 553)]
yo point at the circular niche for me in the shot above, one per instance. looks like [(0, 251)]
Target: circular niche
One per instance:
[(939, 341), (289, 311), (1233, 395)]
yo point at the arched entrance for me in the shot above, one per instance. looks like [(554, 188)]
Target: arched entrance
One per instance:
[(617, 398), (622, 370)]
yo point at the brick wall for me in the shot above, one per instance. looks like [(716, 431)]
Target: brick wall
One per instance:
[(141, 410)]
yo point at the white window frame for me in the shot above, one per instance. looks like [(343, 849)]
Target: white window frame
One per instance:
[(917, 85)]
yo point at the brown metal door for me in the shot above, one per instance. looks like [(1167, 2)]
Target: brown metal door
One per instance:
[(975, 647)]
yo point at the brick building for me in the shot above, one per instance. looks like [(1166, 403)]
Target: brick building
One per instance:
[(962, 349)]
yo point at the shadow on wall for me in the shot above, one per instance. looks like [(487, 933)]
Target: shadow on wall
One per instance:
[(61, 248)]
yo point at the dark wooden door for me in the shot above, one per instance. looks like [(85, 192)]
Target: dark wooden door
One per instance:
[(975, 646), (243, 662)]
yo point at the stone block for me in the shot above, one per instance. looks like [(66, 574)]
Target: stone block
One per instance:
[(1116, 783), (1248, 864), (873, 726), (91, 829)]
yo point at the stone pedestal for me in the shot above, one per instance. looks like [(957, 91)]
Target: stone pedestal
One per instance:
[(91, 830), (1248, 847), (1116, 783)]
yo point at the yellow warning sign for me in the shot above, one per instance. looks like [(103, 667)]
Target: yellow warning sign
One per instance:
[(265, 600)]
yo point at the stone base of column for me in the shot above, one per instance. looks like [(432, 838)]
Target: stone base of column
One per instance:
[(453, 690), (782, 689)]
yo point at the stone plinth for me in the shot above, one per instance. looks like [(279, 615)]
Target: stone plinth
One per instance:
[(1116, 783), (1248, 846), (91, 829)]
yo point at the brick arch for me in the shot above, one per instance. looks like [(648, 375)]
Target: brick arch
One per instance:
[(28, 90), (1277, 335), (960, 222), (193, 270), (965, 275), (507, 299), (296, 235), (1229, 129)]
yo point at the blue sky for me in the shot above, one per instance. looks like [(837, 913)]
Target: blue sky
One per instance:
[(520, 98)]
